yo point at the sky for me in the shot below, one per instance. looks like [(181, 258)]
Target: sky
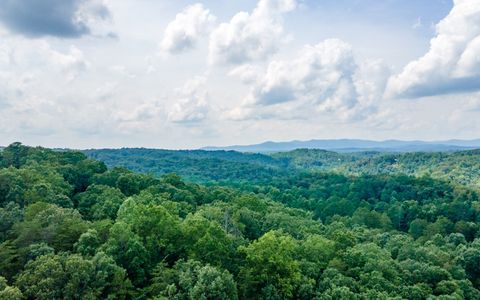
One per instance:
[(185, 74)]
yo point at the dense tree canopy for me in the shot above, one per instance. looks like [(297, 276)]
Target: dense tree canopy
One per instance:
[(71, 228)]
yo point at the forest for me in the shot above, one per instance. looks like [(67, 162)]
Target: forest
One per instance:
[(306, 224), (461, 167)]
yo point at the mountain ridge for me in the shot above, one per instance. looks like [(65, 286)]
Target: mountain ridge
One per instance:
[(353, 145)]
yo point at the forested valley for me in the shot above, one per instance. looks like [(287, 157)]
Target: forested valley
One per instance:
[(306, 224)]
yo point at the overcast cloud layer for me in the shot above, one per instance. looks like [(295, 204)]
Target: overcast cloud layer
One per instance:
[(105, 73)]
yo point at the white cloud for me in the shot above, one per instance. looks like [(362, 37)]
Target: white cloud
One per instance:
[(246, 73), (190, 104), (71, 63), (30, 66), (370, 80), (452, 63), (38, 56), (13, 88), (93, 11), (252, 36), (5, 55), (139, 117), (183, 33), (323, 79), (32, 81), (471, 103), (122, 71)]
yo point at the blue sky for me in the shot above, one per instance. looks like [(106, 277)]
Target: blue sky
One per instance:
[(186, 74)]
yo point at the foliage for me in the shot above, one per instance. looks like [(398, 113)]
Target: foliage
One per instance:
[(262, 227)]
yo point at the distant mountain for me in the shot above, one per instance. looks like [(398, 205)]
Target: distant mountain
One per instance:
[(355, 145)]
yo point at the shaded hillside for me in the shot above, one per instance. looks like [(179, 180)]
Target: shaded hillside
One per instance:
[(321, 159), (458, 167), (197, 165)]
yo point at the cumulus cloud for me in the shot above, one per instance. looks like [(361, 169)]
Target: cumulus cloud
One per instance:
[(60, 18), (247, 73), (190, 104), (183, 33), (252, 36), (452, 63), (324, 78)]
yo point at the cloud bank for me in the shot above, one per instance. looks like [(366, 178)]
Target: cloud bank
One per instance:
[(324, 78), (265, 73)]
